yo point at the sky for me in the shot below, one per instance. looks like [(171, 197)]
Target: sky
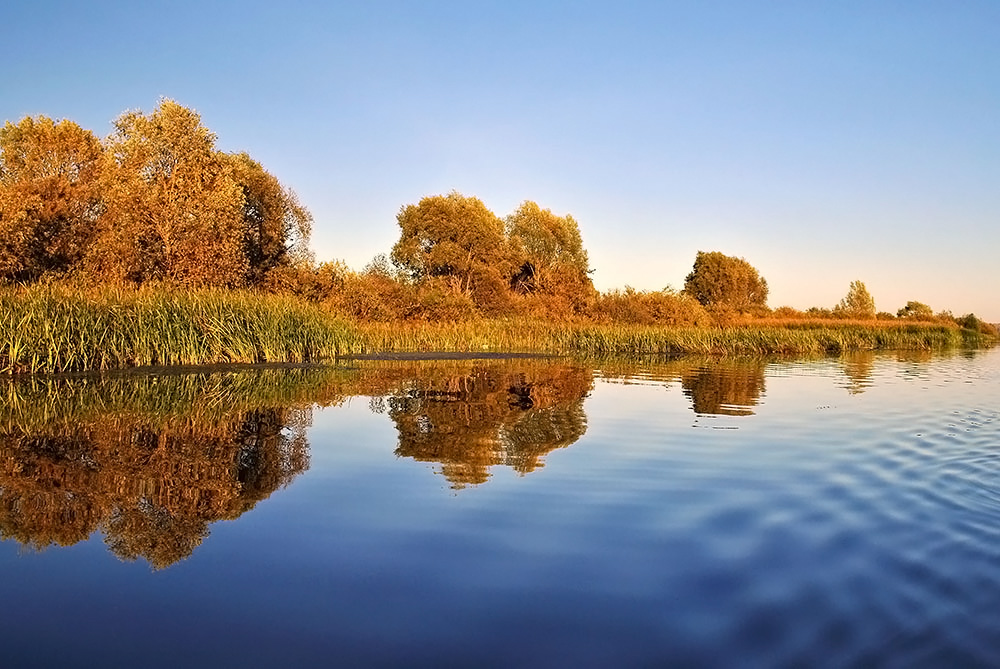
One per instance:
[(822, 141)]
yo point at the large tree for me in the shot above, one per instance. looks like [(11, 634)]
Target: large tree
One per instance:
[(275, 226), (722, 281), (48, 198), (457, 240), (172, 209), (547, 249)]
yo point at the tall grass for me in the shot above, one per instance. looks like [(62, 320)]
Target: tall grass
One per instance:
[(60, 329), (600, 339)]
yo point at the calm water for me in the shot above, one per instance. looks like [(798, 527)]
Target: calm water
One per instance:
[(825, 512)]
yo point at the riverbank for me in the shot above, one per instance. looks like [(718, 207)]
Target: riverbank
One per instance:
[(57, 329)]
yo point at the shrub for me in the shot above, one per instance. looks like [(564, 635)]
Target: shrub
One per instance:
[(663, 307)]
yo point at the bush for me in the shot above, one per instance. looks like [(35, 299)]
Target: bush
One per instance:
[(664, 307)]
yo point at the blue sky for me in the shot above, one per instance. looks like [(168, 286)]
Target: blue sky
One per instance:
[(822, 141)]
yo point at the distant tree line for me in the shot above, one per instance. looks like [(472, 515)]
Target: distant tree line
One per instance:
[(156, 202)]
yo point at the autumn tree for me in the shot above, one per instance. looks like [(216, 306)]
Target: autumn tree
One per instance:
[(172, 207), (544, 246), (727, 282), (916, 311), (48, 199), (548, 257), (858, 303), (275, 226), (457, 241)]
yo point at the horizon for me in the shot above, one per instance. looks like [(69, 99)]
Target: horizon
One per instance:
[(823, 144)]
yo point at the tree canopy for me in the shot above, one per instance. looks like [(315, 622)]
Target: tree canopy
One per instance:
[(722, 281), (858, 303), (544, 246), (915, 311), (155, 201), (454, 238), (48, 198), (172, 210)]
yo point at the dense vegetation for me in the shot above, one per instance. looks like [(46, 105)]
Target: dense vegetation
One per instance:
[(153, 247)]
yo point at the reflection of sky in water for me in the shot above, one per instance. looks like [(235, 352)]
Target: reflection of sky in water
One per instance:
[(830, 528)]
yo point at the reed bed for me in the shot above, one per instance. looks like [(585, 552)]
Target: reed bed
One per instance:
[(763, 340), (58, 329), (601, 339)]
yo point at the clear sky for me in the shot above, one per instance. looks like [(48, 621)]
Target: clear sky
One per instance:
[(822, 141)]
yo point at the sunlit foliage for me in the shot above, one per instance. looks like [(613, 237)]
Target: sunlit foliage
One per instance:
[(172, 209), (917, 311), (48, 198), (155, 202), (458, 240), (719, 281), (663, 307), (858, 303)]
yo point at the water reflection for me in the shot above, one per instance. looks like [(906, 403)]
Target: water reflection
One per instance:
[(470, 420), (858, 367), (150, 462), (725, 387), (714, 386)]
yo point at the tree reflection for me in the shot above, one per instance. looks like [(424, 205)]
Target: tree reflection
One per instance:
[(858, 367), (470, 420), (720, 386), (152, 489), (725, 387), (150, 462)]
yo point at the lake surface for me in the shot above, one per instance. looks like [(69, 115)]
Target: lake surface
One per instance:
[(696, 512)]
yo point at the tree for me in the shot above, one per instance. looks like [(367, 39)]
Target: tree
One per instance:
[(173, 210), (858, 303), (548, 259), (48, 198), (275, 229), (544, 244), (916, 311), (457, 239), (728, 282)]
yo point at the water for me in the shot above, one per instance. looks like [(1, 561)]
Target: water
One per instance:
[(698, 512)]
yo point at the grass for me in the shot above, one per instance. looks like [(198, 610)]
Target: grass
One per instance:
[(596, 339), (59, 329)]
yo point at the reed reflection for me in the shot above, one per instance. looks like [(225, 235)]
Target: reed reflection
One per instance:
[(483, 415), (150, 462)]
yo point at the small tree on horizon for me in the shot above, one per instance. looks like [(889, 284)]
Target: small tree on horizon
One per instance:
[(858, 303)]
